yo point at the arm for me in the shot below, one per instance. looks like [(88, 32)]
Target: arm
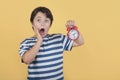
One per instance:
[(30, 55), (80, 40)]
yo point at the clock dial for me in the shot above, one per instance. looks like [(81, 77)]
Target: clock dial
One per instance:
[(73, 34)]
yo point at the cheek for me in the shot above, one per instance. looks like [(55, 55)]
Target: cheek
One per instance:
[(35, 25), (47, 28), (47, 25)]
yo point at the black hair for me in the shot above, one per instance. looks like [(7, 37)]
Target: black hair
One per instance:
[(44, 10)]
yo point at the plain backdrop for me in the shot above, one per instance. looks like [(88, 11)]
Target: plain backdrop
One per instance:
[(98, 22)]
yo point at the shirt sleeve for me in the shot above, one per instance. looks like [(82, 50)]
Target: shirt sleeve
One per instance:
[(24, 46), (67, 43)]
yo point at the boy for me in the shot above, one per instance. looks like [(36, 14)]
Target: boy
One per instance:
[(44, 52)]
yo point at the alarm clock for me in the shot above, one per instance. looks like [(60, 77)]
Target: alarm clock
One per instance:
[(73, 33)]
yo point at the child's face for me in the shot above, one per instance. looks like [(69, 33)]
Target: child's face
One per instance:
[(42, 23)]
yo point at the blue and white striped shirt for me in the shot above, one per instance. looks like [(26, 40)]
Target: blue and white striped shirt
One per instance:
[(48, 64)]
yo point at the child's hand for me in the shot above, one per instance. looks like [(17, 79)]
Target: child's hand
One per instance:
[(39, 37), (70, 23)]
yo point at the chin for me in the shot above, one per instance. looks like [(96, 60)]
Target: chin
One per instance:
[(43, 35)]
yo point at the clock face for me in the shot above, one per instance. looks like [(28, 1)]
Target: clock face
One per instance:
[(73, 34)]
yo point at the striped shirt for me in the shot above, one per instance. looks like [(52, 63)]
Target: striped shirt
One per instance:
[(48, 63)]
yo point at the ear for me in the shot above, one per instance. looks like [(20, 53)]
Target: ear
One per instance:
[(33, 26)]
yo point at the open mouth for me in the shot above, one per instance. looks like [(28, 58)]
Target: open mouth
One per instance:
[(42, 31)]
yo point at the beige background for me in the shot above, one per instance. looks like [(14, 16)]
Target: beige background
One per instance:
[(98, 21)]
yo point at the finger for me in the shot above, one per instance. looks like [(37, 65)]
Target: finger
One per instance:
[(70, 23), (35, 30)]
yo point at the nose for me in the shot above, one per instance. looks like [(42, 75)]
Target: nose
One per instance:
[(43, 24)]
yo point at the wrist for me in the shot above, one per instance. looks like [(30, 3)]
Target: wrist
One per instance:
[(39, 42)]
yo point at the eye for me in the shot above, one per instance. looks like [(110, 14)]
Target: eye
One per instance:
[(47, 20), (39, 20)]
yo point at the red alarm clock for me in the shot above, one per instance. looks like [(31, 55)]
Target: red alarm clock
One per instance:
[(73, 33)]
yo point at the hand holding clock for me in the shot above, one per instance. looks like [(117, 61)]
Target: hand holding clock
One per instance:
[(73, 32)]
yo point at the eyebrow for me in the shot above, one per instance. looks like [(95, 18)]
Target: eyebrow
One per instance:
[(41, 17), (38, 17)]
